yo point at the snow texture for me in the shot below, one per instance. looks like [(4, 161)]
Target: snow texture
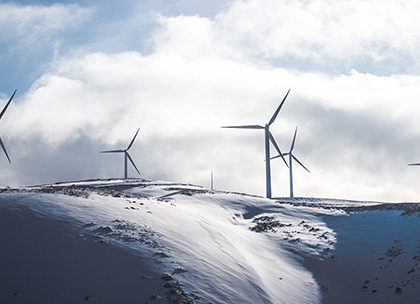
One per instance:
[(221, 247)]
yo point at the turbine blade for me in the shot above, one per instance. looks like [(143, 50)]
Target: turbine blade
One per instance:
[(284, 154), (112, 151), (278, 109), (416, 164), (300, 163), (244, 127), (293, 142), (5, 108), (132, 162), (134, 138), (4, 149), (273, 141)]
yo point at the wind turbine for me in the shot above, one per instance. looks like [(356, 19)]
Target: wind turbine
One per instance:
[(291, 158), (1, 115), (126, 155), (268, 137)]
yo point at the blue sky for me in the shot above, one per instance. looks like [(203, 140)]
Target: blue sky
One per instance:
[(109, 27), (90, 73)]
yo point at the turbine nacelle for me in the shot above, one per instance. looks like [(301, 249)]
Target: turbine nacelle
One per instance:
[(291, 159), (268, 138), (290, 153), (126, 155)]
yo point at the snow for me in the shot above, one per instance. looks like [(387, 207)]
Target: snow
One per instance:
[(231, 247), (44, 261), (328, 202)]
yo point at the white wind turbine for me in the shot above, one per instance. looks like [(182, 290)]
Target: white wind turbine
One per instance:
[(126, 155), (291, 159), (268, 137), (1, 115)]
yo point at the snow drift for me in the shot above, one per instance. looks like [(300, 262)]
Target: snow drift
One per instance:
[(219, 247)]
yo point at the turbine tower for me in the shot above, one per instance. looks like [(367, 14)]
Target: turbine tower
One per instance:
[(1, 115), (268, 137), (126, 155), (291, 158)]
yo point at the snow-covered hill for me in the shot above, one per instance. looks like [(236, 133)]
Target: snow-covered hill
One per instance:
[(210, 246), (221, 247)]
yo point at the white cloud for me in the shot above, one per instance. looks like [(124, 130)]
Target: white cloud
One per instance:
[(324, 30), (24, 25), (356, 131)]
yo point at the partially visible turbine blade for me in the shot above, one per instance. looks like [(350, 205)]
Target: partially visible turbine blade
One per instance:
[(293, 142), (278, 109), (132, 162), (273, 141), (417, 164), (134, 138), (5, 108), (112, 151), (300, 163), (244, 127), (4, 149), (284, 154)]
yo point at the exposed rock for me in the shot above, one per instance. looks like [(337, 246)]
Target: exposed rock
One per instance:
[(267, 223), (169, 285), (166, 277), (102, 230), (394, 251), (179, 270)]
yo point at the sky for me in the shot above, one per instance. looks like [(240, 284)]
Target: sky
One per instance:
[(90, 73)]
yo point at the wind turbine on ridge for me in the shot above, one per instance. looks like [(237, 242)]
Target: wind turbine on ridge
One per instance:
[(1, 115), (291, 159), (268, 138), (126, 155)]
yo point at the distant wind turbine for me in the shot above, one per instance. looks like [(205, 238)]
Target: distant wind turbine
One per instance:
[(291, 158), (1, 115), (126, 155), (268, 137)]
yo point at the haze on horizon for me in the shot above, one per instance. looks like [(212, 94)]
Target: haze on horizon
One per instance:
[(89, 74)]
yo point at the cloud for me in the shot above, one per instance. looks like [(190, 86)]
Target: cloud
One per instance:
[(33, 35), (356, 130), (27, 24), (326, 32)]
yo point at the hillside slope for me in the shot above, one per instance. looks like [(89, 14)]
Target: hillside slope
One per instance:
[(215, 246)]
